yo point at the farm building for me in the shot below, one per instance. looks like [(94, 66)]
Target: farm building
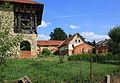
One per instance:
[(51, 45), (102, 47), (75, 44), (26, 16)]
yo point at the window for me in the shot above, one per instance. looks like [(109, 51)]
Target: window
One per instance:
[(78, 40), (75, 40)]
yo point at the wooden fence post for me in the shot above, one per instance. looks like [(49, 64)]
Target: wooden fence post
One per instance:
[(36, 77), (91, 73)]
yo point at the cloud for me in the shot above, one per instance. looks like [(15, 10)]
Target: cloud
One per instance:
[(43, 37), (93, 36), (44, 24), (74, 27), (69, 16)]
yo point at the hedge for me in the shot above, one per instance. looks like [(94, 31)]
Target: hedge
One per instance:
[(95, 57)]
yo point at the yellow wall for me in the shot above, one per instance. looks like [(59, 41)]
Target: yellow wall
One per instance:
[(40, 48)]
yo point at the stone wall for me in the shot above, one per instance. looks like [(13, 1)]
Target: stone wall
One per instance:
[(31, 38)]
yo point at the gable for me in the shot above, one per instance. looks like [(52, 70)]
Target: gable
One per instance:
[(77, 40), (68, 40)]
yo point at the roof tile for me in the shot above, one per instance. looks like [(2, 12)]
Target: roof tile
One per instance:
[(23, 1), (48, 42)]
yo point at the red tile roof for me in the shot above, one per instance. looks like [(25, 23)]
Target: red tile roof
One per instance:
[(23, 1), (69, 39), (48, 42)]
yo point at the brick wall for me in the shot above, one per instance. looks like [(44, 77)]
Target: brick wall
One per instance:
[(82, 48), (27, 54), (103, 50)]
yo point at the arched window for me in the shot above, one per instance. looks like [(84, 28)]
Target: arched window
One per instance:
[(25, 46)]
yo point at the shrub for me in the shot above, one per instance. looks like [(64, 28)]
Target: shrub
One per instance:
[(8, 41), (96, 57), (39, 55), (72, 58), (46, 52)]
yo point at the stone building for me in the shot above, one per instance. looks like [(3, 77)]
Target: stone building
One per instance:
[(102, 47), (51, 45), (26, 15), (75, 44)]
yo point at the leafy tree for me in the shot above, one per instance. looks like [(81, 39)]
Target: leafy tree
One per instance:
[(58, 34), (91, 43), (8, 41), (94, 43), (114, 41)]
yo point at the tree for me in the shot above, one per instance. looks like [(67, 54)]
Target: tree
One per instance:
[(91, 43), (114, 41), (94, 43), (58, 34), (8, 41)]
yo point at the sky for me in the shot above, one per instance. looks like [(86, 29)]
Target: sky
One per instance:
[(90, 18)]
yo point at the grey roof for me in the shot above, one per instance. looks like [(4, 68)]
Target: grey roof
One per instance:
[(102, 43)]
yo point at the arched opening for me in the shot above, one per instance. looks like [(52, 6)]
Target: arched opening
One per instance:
[(83, 50), (25, 46)]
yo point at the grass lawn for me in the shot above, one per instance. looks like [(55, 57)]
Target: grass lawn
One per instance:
[(50, 71)]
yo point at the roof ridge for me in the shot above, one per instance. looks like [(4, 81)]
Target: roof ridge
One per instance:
[(49, 40), (61, 43), (68, 39)]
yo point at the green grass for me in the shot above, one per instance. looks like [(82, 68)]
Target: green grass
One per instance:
[(53, 58), (50, 71)]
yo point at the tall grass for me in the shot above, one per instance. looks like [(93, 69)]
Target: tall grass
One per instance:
[(52, 72)]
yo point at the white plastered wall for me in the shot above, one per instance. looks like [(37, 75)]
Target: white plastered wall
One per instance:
[(72, 42)]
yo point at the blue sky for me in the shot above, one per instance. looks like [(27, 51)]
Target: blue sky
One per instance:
[(91, 18)]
